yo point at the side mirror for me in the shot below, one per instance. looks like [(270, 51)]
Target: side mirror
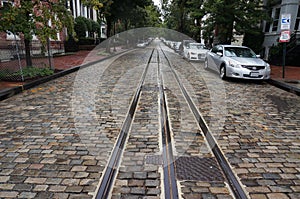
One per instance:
[(258, 56), (220, 54)]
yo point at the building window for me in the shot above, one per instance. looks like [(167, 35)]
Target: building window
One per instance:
[(268, 22), (12, 36), (276, 15), (267, 27), (297, 25)]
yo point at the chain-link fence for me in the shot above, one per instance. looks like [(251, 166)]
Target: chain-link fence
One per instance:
[(14, 66)]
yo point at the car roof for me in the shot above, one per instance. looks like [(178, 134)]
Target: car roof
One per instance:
[(196, 43), (234, 46)]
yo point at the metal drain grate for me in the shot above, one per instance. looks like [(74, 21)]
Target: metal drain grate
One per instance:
[(196, 168)]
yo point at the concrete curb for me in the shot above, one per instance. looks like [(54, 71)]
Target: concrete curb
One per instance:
[(9, 92), (285, 86)]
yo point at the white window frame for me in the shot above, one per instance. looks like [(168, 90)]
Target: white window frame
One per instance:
[(273, 17), (297, 20)]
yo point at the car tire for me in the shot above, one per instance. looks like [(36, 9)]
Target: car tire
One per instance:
[(223, 72), (206, 64)]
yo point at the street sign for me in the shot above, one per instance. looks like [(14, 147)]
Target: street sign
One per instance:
[(285, 21), (285, 36)]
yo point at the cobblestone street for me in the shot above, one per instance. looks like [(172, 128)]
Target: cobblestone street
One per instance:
[(57, 138)]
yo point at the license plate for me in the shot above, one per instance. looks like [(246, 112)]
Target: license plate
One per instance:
[(254, 74)]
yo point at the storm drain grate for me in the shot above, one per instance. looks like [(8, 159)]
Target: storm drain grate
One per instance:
[(196, 168), (153, 159)]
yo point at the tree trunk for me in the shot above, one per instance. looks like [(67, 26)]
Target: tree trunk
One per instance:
[(109, 24), (229, 35), (27, 53)]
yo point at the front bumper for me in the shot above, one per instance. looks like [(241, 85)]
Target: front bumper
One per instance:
[(245, 73)]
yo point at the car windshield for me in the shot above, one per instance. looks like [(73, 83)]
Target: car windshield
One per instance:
[(196, 46), (239, 52)]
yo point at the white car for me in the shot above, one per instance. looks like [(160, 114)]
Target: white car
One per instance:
[(141, 44), (195, 51), (236, 62)]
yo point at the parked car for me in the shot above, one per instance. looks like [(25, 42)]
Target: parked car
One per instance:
[(183, 45), (236, 62), (195, 51), (141, 44), (176, 46)]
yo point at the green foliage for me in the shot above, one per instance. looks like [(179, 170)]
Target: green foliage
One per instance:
[(185, 16), (127, 14), (95, 4), (83, 25), (42, 18), (254, 40), (31, 72), (4, 73), (153, 16), (86, 41), (30, 17), (229, 15), (80, 27), (88, 23), (71, 45), (275, 54), (95, 27)]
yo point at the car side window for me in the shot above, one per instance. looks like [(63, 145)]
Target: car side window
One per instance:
[(214, 49), (220, 49)]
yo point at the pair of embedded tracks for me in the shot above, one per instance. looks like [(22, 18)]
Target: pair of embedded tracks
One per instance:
[(170, 185)]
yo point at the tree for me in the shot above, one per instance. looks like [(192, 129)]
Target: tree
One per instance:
[(121, 15), (196, 13), (130, 13), (227, 16), (181, 16), (153, 16), (80, 27), (177, 16), (42, 18)]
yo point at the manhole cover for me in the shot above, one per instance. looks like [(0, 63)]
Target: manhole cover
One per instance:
[(196, 168)]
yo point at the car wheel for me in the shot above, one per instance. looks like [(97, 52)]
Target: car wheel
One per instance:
[(223, 72), (205, 64)]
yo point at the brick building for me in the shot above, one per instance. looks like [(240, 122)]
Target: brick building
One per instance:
[(8, 39)]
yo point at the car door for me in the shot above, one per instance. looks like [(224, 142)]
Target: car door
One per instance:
[(218, 58), (213, 58)]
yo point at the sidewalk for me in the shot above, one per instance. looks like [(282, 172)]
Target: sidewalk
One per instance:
[(65, 62), (291, 72), (291, 80)]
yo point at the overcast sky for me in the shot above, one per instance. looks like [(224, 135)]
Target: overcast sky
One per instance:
[(157, 2)]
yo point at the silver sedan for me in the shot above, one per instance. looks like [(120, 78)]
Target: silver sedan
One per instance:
[(237, 62)]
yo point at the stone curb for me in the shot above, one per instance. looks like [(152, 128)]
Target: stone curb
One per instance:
[(284, 86), (9, 92)]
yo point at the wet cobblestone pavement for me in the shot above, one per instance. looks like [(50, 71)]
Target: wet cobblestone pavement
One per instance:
[(56, 138), (260, 137)]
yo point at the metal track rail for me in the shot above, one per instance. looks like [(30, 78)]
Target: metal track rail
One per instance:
[(171, 191), (113, 164), (235, 186)]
